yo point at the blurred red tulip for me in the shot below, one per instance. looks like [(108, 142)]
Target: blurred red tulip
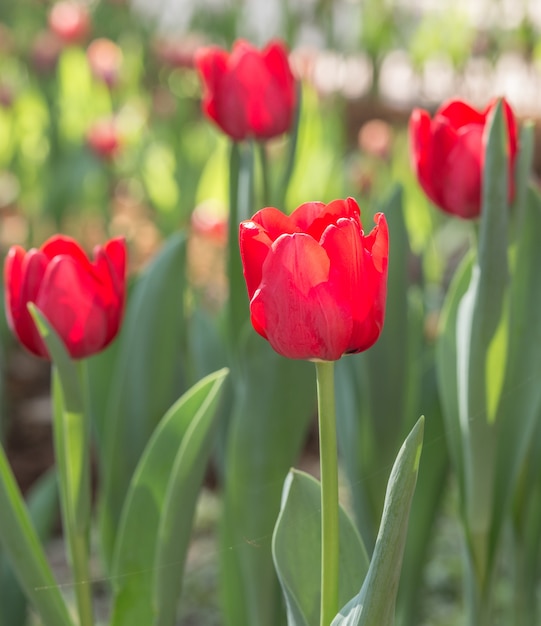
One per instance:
[(103, 139), (248, 93), (317, 285), (448, 152), (70, 21), (105, 60), (83, 300)]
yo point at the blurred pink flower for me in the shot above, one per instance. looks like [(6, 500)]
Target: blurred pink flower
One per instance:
[(105, 60), (103, 138), (70, 21)]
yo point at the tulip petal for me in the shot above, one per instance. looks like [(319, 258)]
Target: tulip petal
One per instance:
[(255, 245), (314, 217), (276, 223), (458, 114), (64, 245), (302, 316), (71, 300), (456, 168), (23, 275), (356, 276)]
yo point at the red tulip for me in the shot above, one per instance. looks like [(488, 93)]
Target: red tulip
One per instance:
[(105, 60), (448, 151), (69, 21), (103, 138), (248, 93), (317, 285), (83, 300)]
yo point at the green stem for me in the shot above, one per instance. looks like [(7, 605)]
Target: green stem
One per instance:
[(292, 152), (240, 208), (265, 173), (329, 491), (478, 582), (72, 451)]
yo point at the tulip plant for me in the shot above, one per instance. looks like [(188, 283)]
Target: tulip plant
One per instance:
[(149, 388)]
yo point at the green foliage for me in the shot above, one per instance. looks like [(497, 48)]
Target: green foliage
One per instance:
[(297, 554)]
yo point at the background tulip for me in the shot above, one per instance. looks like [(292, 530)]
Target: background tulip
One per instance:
[(248, 93), (447, 154), (83, 300), (317, 284)]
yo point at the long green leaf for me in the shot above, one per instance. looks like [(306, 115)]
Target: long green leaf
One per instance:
[(42, 503), (520, 405), (296, 548), (149, 514), (275, 398), (368, 433), (375, 602), (21, 543), (180, 499), (147, 380)]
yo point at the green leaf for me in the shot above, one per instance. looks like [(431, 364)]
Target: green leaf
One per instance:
[(446, 361), (161, 500), (275, 399), (175, 525), (521, 395), (42, 503), (375, 602), (296, 548), (367, 429), (71, 429), (147, 379), (22, 545)]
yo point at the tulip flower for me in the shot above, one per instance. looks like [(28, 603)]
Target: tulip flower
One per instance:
[(248, 93), (82, 299), (103, 138), (105, 60), (317, 284), (448, 152), (70, 21)]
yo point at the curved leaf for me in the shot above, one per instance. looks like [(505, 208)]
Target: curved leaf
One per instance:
[(296, 548), (375, 602), (180, 442)]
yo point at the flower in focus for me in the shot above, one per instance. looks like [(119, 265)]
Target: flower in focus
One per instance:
[(317, 284), (448, 151), (105, 60), (69, 21), (103, 138), (83, 300), (248, 93)]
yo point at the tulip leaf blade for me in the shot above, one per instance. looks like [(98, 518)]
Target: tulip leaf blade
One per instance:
[(174, 529), (295, 543), (147, 378), (180, 442), (521, 393), (375, 602), (275, 398), (21, 543)]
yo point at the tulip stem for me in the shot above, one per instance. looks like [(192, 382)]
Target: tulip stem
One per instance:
[(72, 451), (265, 173), (291, 153), (329, 491), (240, 207)]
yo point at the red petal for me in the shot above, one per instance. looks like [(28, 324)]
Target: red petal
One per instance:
[(296, 306), (63, 245), (457, 169), (73, 303), (255, 245), (421, 151), (30, 272), (458, 113), (275, 223)]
